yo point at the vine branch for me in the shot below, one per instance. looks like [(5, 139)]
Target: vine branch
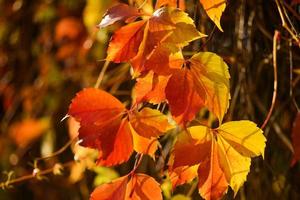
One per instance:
[(275, 39)]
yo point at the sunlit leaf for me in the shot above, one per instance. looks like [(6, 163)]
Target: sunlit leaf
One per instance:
[(221, 161), (214, 9)]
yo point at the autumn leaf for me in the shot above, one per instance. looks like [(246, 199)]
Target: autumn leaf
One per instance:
[(149, 122), (110, 191), (182, 175), (147, 125), (204, 81), (119, 12), (101, 126), (211, 77), (138, 186), (142, 186), (214, 10), (223, 155), (106, 125), (25, 132)]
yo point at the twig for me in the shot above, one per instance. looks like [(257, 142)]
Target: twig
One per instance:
[(285, 25), (101, 74), (31, 176), (275, 39)]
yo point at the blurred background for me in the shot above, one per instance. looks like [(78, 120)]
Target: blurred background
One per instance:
[(51, 49)]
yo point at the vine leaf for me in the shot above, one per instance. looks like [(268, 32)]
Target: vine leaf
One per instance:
[(214, 10), (106, 125), (204, 81), (223, 155), (138, 186), (119, 12)]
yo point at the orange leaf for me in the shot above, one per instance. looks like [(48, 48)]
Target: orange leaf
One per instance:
[(146, 126), (150, 123), (119, 12), (144, 145), (138, 187), (212, 180), (151, 88), (125, 42), (143, 187), (164, 59), (25, 132), (115, 190), (182, 175)]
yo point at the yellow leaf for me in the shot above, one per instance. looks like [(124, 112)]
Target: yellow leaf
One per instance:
[(214, 9), (212, 81), (235, 166), (244, 136)]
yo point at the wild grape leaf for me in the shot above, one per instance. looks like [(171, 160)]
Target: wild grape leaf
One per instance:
[(214, 10), (222, 154), (104, 125), (136, 187), (173, 3), (119, 12)]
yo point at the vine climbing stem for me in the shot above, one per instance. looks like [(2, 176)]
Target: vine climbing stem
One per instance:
[(275, 40)]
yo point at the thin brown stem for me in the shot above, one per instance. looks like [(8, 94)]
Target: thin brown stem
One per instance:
[(101, 74), (275, 39), (8, 183)]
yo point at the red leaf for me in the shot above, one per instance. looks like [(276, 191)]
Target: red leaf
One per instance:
[(184, 101), (101, 126), (296, 139)]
